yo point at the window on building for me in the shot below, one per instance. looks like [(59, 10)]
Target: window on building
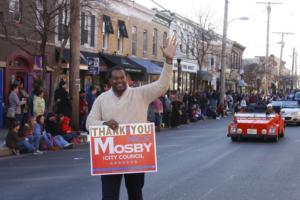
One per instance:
[(182, 41), (165, 36), (88, 28), (107, 29), (84, 28), (104, 37), (133, 40), (39, 14), (187, 48), (120, 42), (15, 10), (63, 20), (93, 31), (122, 32), (154, 42), (145, 43)]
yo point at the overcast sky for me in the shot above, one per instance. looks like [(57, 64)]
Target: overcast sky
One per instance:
[(251, 33)]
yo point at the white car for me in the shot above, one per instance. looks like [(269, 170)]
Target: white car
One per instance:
[(290, 111)]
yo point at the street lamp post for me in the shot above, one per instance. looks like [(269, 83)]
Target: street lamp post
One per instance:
[(179, 75)]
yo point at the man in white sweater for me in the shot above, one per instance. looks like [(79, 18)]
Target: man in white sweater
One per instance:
[(121, 105)]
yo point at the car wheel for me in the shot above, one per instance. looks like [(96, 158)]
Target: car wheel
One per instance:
[(276, 138), (298, 124), (281, 134), (234, 139)]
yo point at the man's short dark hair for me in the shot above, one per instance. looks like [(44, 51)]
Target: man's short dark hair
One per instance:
[(115, 68)]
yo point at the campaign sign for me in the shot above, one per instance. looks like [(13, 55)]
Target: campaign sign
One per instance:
[(131, 148)]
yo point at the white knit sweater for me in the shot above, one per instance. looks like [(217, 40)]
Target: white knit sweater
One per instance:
[(132, 106)]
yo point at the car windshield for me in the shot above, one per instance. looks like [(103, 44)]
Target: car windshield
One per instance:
[(297, 95), (285, 104)]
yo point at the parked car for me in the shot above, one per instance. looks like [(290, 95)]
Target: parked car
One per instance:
[(290, 111), (256, 125), (297, 97)]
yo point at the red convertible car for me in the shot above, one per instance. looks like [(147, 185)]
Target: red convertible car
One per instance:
[(256, 125)]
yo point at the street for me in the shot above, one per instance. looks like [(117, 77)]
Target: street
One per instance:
[(196, 162)]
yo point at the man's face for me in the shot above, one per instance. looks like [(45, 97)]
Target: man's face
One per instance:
[(118, 81)]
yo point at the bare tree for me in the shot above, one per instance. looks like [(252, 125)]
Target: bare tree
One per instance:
[(198, 40)]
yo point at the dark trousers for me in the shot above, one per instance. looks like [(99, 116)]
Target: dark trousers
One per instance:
[(111, 186)]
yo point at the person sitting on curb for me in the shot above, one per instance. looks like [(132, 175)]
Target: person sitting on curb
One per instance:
[(16, 142), (46, 137), (34, 139), (67, 131), (52, 127)]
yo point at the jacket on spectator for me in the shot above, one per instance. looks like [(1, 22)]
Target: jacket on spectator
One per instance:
[(12, 139), (65, 125)]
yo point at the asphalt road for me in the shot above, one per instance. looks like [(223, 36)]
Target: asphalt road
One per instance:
[(196, 162)]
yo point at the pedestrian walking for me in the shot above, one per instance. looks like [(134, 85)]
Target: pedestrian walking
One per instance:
[(123, 104), (91, 96)]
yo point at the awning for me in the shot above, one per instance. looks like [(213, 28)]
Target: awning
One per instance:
[(122, 28), (83, 56), (125, 62), (150, 66), (206, 76)]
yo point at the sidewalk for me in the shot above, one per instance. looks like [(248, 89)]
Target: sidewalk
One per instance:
[(4, 151)]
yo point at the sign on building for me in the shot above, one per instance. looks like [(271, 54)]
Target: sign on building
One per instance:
[(93, 65)]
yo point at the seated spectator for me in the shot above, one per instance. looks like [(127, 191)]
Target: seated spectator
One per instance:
[(67, 131), (16, 142), (220, 110), (28, 132), (199, 113), (52, 127), (46, 138), (211, 113)]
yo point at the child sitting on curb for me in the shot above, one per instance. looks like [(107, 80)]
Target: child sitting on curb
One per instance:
[(67, 131)]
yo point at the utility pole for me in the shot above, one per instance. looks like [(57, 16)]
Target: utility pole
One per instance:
[(268, 40), (281, 52), (75, 60), (293, 67), (296, 71), (222, 75)]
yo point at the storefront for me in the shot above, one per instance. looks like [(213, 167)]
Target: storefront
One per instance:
[(153, 70), (87, 78), (188, 77), (204, 80), (23, 68)]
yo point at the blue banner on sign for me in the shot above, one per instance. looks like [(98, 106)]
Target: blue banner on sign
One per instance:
[(93, 70)]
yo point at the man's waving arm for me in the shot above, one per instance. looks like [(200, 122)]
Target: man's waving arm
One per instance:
[(156, 89)]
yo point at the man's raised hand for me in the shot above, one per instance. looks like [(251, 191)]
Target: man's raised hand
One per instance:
[(170, 50)]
